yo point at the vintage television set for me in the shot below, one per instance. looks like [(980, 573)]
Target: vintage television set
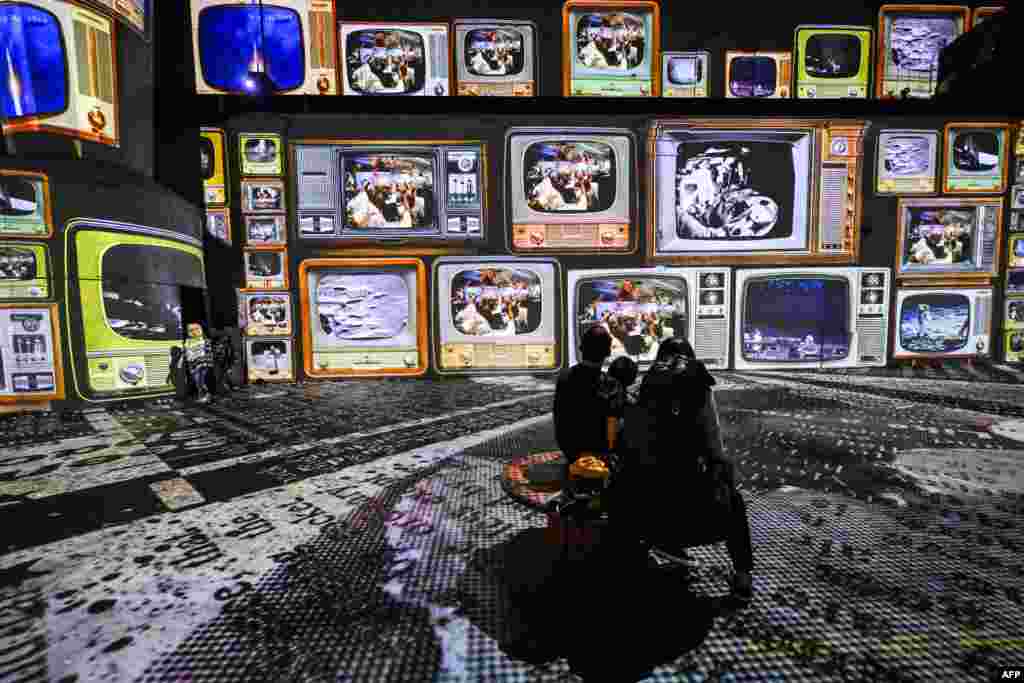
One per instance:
[(264, 314), (1013, 330), (942, 322), (395, 58), (977, 158), (218, 224), (24, 270), (260, 154), (213, 166), (811, 317), (364, 317), (907, 162), (276, 47), (981, 14), (833, 62), (910, 38), (60, 70), (753, 73), (25, 209), (497, 315), (948, 240), (571, 190), (269, 360), (755, 191), (496, 57), (1015, 259), (31, 359), (685, 74), (128, 288), (641, 307), (1015, 281), (364, 191), (611, 48)]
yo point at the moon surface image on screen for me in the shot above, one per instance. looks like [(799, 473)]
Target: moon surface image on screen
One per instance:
[(907, 155), (363, 306), (916, 41), (935, 323)]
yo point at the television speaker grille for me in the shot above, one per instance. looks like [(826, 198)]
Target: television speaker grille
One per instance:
[(710, 339), (832, 219), (94, 56), (982, 316), (870, 338), (439, 55), (988, 239), (317, 177), (323, 34), (158, 370)]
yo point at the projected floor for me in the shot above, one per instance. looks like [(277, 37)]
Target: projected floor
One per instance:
[(360, 531)]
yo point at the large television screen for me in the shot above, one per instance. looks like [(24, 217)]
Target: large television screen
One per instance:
[(949, 239), (496, 57), (378, 191), (571, 190), (61, 70), (977, 158), (497, 314), (757, 74), (796, 319), (833, 61), (907, 162), (401, 58), (611, 50), (364, 316), (755, 191), (290, 43), (910, 40), (127, 286)]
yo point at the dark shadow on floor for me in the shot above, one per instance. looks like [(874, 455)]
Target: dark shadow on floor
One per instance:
[(612, 622)]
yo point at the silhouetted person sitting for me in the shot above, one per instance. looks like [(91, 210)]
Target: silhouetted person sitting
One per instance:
[(585, 399), (676, 484), (625, 371)]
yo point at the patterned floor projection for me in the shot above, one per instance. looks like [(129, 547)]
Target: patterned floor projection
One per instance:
[(363, 531)]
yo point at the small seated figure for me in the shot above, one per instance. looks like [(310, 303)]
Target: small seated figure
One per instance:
[(199, 360), (625, 370)]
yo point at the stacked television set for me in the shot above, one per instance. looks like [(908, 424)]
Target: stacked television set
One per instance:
[(611, 48), (496, 57), (1013, 291), (395, 59)]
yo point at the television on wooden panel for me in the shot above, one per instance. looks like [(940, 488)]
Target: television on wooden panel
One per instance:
[(641, 307), (265, 314), (25, 270), (126, 286), (395, 58), (571, 190), (25, 209), (833, 62), (811, 317), (942, 322), (497, 57), (977, 158), (364, 191), (755, 74), (611, 48), (754, 191), (907, 162), (269, 360), (685, 74), (949, 240), (31, 359), (910, 38), (1013, 330), (497, 315), (60, 69), (243, 46), (981, 14), (213, 166), (266, 268), (364, 317)]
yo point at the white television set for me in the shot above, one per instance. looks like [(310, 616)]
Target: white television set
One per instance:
[(823, 318), (395, 58), (942, 322)]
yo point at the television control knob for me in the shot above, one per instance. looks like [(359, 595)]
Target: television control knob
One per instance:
[(97, 119), (410, 361), (439, 90), (323, 84), (840, 146)]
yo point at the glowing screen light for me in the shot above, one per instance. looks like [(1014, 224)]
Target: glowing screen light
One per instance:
[(231, 45), (32, 62)]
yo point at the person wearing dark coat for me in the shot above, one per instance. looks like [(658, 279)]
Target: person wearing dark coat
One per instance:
[(676, 483)]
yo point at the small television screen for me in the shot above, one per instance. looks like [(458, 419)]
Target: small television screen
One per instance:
[(754, 76), (833, 55), (212, 168), (638, 312), (389, 191), (796, 319), (685, 71), (912, 40), (265, 269), (269, 360), (218, 224), (503, 302), (940, 236), (1015, 281), (610, 41), (265, 230), (19, 197), (206, 158), (234, 40), (386, 61), (261, 154), (1015, 343), (263, 196), (266, 313), (33, 42), (24, 271), (907, 155), (976, 158), (260, 150), (935, 323), (907, 162), (17, 264), (976, 151), (494, 51), (1016, 259), (569, 177), (1015, 313)]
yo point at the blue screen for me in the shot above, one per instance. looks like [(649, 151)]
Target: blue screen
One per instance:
[(230, 42), (796, 318), (35, 81)]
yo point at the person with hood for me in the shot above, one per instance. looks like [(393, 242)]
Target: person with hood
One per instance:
[(677, 485)]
